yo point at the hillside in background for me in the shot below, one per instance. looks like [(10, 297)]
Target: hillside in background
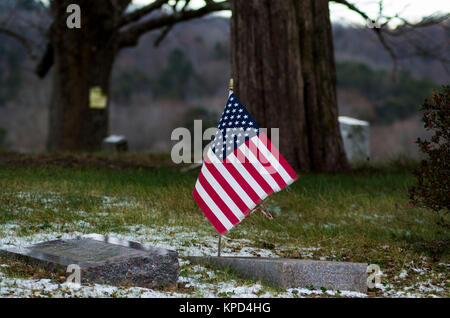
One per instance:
[(413, 49), (155, 89)]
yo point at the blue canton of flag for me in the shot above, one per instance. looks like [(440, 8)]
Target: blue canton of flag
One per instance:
[(236, 126)]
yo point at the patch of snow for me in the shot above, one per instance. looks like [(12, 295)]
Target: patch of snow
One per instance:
[(403, 274), (421, 271), (114, 138), (352, 121), (304, 291)]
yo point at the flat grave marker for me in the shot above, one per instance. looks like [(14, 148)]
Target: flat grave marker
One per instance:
[(104, 260), (287, 273)]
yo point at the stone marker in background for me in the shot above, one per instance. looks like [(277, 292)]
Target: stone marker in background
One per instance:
[(115, 143), (104, 260), (289, 273), (356, 136)]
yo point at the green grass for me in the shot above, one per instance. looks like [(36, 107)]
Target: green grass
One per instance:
[(363, 217)]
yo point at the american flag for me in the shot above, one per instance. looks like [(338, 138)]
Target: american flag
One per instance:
[(240, 169)]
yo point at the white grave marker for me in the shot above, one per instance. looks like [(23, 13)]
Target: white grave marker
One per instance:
[(356, 136)]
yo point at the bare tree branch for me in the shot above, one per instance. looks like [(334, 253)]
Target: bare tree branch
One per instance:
[(377, 31), (46, 62), (163, 34), (140, 13), (408, 26), (130, 36), (387, 47), (21, 39), (401, 30), (170, 26), (352, 7)]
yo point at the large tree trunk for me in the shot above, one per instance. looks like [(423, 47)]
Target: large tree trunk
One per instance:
[(283, 65), (83, 59)]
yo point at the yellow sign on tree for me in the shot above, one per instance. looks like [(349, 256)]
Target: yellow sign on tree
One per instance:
[(97, 99)]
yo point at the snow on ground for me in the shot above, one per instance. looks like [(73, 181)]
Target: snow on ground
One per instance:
[(185, 242), (15, 287), (198, 281)]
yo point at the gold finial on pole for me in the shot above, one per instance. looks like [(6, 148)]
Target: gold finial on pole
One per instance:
[(231, 84)]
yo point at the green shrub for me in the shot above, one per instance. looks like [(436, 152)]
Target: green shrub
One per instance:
[(432, 189)]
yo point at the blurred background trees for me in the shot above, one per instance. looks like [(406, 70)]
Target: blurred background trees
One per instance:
[(82, 58), (147, 99)]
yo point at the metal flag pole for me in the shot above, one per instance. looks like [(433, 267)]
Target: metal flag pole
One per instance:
[(218, 247)]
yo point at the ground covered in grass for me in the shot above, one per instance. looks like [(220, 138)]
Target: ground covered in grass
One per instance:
[(360, 217)]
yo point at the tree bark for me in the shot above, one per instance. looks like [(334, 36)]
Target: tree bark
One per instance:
[(82, 59), (284, 70)]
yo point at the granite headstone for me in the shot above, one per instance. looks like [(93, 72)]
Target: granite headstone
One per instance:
[(104, 259)]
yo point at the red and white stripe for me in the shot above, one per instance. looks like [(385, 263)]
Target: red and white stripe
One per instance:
[(228, 190)]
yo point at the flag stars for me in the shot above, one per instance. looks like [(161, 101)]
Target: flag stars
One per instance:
[(236, 127)]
